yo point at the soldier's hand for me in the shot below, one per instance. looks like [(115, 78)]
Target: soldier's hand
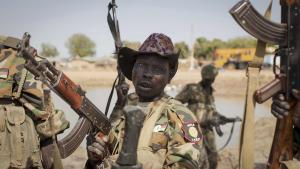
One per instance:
[(122, 91), (281, 107), (296, 112), (97, 148)]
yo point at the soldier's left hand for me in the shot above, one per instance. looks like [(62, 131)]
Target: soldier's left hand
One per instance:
[(122, 91), (281, 107), (96, 148)]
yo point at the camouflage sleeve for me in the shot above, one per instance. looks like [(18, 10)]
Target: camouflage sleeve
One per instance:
[(183, 95), (185, 148)]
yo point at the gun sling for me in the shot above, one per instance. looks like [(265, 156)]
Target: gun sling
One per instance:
[(246, 151)]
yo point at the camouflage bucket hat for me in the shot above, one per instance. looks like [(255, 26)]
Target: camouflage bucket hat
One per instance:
[(157, 44), (209, 72)]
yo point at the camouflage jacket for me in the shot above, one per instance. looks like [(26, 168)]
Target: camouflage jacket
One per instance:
[(200, 101), (18, 86), (12, 71), (170, 138)]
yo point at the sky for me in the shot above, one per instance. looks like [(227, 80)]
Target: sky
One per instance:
[(54, 21)]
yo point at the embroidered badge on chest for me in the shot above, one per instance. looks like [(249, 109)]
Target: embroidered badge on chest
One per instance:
[(160, 127), (4, 72), (191, 132)]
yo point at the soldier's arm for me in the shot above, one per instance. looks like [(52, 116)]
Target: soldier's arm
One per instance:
[(38, 101), (183, 95), (185, 147), (117, 111)]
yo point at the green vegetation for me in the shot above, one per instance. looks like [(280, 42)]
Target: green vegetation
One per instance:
[(204, 48), (49, 50), (80, 45), (183, 48)]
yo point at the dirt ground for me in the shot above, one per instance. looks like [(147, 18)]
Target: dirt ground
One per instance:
[(228, 82)]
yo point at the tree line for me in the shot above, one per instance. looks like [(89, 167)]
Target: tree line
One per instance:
[(80, 45)]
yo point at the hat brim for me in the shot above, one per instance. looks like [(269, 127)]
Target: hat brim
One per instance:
[(127, 58)]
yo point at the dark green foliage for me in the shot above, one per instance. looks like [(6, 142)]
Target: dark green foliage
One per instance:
[(80, 45), (48, 50), (183, 48)]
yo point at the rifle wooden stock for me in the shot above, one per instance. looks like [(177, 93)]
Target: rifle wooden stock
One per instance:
[(90, 115), (282, 146), (68, 89)]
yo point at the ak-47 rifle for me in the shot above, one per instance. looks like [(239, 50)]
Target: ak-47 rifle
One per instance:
[(89, 115), (287, 36), (225, 120), (113, 24)]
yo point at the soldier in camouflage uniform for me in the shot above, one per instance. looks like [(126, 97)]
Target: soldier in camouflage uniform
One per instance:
[(171, 136), (23, 116), (200, 100)]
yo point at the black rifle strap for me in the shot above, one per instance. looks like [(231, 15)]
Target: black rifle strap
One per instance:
[(229, 138), (114, 29), (110, 96)]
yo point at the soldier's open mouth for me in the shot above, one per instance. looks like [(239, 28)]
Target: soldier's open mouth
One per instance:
[(145, 85)]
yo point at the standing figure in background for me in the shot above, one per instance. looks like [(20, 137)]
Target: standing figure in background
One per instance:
[(24, 116), (200, 100)]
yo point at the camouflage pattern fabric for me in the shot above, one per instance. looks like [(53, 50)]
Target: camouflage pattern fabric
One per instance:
[(201, 102), (14, 69), (175, 140), (19, 115)]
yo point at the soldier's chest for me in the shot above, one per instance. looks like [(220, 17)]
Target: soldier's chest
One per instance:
[(201, 96)]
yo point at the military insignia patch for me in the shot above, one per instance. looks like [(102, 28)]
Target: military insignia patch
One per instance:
[(191, 132), (160, 127), (4, 72)]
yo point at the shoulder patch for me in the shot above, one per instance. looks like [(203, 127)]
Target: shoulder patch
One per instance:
[(4, 72), (192, 132)]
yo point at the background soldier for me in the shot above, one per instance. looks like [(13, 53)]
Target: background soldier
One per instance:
[(171, 136), (24, 119), (200, 100)]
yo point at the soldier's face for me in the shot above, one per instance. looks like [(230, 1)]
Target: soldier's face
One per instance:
[(208, 82), (150, 75)]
